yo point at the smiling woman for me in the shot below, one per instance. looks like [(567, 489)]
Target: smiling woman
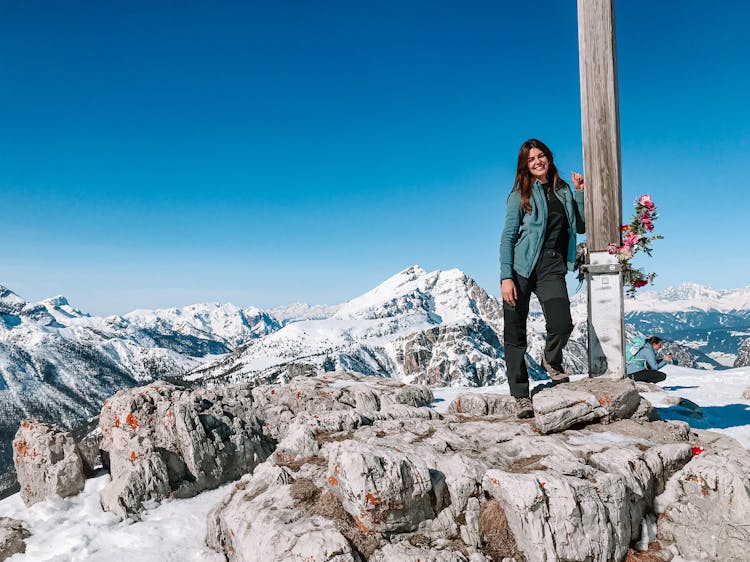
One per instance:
[(538, 248)]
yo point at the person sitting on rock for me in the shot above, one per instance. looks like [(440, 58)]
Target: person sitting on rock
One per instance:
[(644, 366)]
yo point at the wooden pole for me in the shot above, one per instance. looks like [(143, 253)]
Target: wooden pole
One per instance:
[(600, 127)]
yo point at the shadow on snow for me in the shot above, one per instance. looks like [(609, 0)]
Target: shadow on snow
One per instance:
[(708, 417)]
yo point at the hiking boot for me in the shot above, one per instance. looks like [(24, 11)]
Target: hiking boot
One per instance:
[(524, 408), (558, 377)]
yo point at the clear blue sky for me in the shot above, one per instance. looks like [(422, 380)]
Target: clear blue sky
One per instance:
[(157, 154)]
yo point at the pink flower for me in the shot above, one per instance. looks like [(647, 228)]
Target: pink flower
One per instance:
[(643, 198), (613, 249), (631, 239)]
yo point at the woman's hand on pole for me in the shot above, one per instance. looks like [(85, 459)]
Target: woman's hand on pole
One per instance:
[(508, 289), (577, 181)]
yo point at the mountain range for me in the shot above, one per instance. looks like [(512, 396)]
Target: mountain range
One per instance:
[(59, 364)]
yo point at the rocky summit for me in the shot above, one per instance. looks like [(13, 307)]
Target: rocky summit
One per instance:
[(341, 467)]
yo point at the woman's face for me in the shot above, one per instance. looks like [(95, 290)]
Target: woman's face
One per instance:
[(538, 164), (656, 346)]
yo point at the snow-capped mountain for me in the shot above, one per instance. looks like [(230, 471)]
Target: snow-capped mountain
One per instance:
[(438, 327), (298, 311), (706, 320), (59, 364)]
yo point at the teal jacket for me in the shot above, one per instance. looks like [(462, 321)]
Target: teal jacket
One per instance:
[(523, 233), (645, 359)]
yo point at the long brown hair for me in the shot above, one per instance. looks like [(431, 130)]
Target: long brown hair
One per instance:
[(524, 180)]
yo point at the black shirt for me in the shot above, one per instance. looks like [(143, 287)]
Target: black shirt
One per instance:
[(557, 235)]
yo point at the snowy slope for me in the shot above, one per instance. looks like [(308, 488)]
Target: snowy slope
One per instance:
[(59, 364), (436, 327)]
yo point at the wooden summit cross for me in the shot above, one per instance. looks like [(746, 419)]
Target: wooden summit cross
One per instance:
[(600, 127)]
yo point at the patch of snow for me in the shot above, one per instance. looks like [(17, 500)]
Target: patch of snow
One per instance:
[(77, 529)]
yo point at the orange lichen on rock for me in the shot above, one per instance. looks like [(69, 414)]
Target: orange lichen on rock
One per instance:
[(458, 405), (333, 481), (372, 500), (360, 524), (22, 448), (117, 421), (132, 421), (133, 456)]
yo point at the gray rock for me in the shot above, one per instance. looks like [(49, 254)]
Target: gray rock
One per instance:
[(746, 394), (557, 409), (400, 482), (405, 552), (162, 440), (708, 507), (743, 354), (13, 537), (266, 524), (470, 531), (47, 462), (89, 449), (563, 510), (444, 525), (146, 479), (481, 404), (384, 490), (584, 401)]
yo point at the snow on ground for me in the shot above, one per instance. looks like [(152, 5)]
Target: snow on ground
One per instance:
[(726, 359), (76, 529), (717, 394)]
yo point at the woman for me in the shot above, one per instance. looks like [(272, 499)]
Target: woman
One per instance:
[(537, 249), (644, 365)]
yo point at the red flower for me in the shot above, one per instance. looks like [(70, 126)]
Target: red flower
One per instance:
[(638, 283), (697, 451), (625, 227)]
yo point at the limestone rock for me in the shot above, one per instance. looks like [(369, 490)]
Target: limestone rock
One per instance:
[(162, 440), (334, 392), (13, 537), (584, 401), (266, 524), (470, 531), (574, 511), (708, 517), (405, 552), (89, 449), (136, 483), (619, 398), (557, 409), (369, 477), (481, 404), (384, 490), (47, 462)]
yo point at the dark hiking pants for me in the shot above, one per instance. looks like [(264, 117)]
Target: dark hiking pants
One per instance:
[(648, 375), (547, 281)]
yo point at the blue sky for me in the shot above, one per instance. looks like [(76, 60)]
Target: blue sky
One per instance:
[(164, 153)]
